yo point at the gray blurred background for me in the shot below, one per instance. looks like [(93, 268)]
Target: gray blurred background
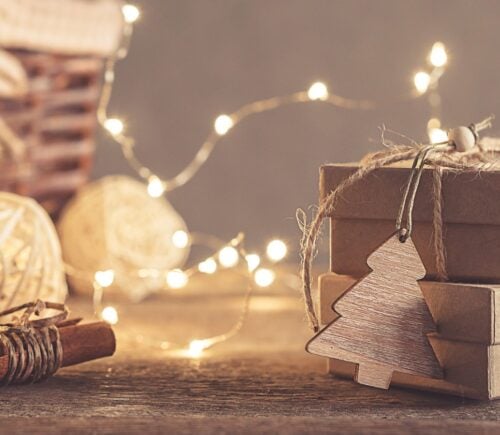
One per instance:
[(191, 60)]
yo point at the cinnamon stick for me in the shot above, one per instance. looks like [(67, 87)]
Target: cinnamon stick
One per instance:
[(80, 343)]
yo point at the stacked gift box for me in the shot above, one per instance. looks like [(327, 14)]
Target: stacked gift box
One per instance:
[(464, 308)]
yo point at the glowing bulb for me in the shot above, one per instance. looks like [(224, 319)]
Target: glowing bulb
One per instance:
[(131, 13), (104, 277), (264, 277), (276, 250), (433, 123), (223, 124), (196, 348), (228, 256), (110, 315), (177, 278), (253, 261), (317, 91), (437, 135), (208, 266), (180, 239), (114, 126), (438, 56), (422, 80), (155, 187)]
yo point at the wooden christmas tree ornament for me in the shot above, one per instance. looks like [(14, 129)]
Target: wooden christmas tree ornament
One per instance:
[(383, 320)]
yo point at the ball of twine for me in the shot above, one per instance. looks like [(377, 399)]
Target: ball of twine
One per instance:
[(30, 255), (114, 224)]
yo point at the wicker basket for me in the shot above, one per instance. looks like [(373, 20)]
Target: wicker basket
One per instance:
[(56, 121)]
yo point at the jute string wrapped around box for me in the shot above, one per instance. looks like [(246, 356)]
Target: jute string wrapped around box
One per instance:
[(460, 153)]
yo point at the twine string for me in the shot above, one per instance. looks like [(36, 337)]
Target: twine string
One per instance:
[(483, 157), (438, 232), (33, 347), (408, 201), (404, 233)]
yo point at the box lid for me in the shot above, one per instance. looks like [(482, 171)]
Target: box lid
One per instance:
[(468, 197)]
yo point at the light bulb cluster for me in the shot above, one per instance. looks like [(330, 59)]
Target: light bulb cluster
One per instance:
[(438, 58), (427, 82), (231, 255)]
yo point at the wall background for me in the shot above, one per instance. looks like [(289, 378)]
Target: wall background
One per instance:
[(191, 60)]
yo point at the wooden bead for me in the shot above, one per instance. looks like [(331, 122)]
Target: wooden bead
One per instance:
[(463, 138)]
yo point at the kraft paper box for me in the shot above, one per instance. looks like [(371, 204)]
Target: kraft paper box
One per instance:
[(365, 214)]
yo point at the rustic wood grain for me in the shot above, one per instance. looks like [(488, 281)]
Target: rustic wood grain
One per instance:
[(261, 425), (465, 345), (384, 320), (262, 381), (463, 312), (331, 287)]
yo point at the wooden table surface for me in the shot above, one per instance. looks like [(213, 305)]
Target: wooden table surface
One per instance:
[(259, 381)]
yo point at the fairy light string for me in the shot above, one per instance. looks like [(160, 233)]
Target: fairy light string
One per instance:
[(426, 83), (229, 256)]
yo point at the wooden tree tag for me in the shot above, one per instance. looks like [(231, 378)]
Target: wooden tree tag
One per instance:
[(384, 320)]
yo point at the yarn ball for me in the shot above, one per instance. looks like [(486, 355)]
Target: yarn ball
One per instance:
[(31, 267), (113, 223)]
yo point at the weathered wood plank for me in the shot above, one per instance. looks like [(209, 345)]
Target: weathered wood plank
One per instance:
[(261, 425), (261, 381)]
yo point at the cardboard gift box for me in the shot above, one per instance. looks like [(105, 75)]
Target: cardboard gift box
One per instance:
[(466, 344), (365, 215)]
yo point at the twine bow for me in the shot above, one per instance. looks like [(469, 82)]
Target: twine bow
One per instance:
[(442, 156), (33, 347)]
